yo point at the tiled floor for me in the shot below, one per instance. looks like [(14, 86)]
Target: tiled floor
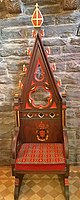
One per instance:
[(39, 187)]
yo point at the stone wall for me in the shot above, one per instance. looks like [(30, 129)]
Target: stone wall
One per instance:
[(60, 34)]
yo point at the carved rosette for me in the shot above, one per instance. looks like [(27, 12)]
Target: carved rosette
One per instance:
[(70, 4), (12, 6)]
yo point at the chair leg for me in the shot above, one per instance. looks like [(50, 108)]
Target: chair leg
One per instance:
[(18, 181), (16, 190), (60, 177), (66, 187)]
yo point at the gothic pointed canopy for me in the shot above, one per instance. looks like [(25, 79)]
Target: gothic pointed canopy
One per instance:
[(39, 87)]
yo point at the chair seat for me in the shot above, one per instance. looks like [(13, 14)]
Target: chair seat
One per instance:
[(41, 157)]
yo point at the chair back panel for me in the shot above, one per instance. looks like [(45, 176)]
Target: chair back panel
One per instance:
[(43, 126), (41, 103)]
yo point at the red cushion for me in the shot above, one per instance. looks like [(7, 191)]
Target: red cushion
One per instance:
[(41, 156)]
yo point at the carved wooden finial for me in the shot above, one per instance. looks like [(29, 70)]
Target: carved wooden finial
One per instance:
[(37, 5), (37, 18)]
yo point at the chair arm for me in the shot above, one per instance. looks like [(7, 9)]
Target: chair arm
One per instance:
[(66, 146), (15, 141)]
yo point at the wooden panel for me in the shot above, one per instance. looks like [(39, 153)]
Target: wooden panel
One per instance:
[(54, 130)]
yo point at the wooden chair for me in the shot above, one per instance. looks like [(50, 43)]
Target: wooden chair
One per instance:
[(40, 144)]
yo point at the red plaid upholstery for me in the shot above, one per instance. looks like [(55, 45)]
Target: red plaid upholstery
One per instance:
[(43, 156)]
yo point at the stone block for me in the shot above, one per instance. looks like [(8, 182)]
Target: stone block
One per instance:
[(55, 50), (75, 40), (60, 67), (7, 92), (16, 33), (72, 123), (2, 98), (68, 18), (29, 42), (5, 80), (77, 112), (71, 56), (6, 131), (63, 31), (6, 107), (72, 159), (53, 41), (71, 49), (30, 2), (47, 9), (73, 91), (71, 133), (72, 144), (65, 57), (0, 34), (19, 20), (78, 159), (70, 113), (1, 49), (6, 89), (14, 49), (73, 147), (72, 78), (6, 159), (49, 20), (11, 65), (25, 20), (1, 59), (73, 104), (5, 151), (78, 144), (78, 151), (68, 78), (3, 69), (78, 134), (73, 66), (50, 31)]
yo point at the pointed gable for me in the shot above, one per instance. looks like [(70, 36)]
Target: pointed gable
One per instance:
[(39, 88)]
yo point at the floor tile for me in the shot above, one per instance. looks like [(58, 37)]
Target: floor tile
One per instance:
[(39, 186)]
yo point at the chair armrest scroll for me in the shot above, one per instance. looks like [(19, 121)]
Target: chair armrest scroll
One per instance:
[(15, 142)]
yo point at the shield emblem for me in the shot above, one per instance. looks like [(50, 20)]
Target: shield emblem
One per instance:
[(42, 133)]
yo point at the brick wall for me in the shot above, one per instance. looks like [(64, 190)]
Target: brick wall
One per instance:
[(60, 34)]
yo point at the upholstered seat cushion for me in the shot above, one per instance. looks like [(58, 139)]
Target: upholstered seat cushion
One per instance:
[(41, 156)]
